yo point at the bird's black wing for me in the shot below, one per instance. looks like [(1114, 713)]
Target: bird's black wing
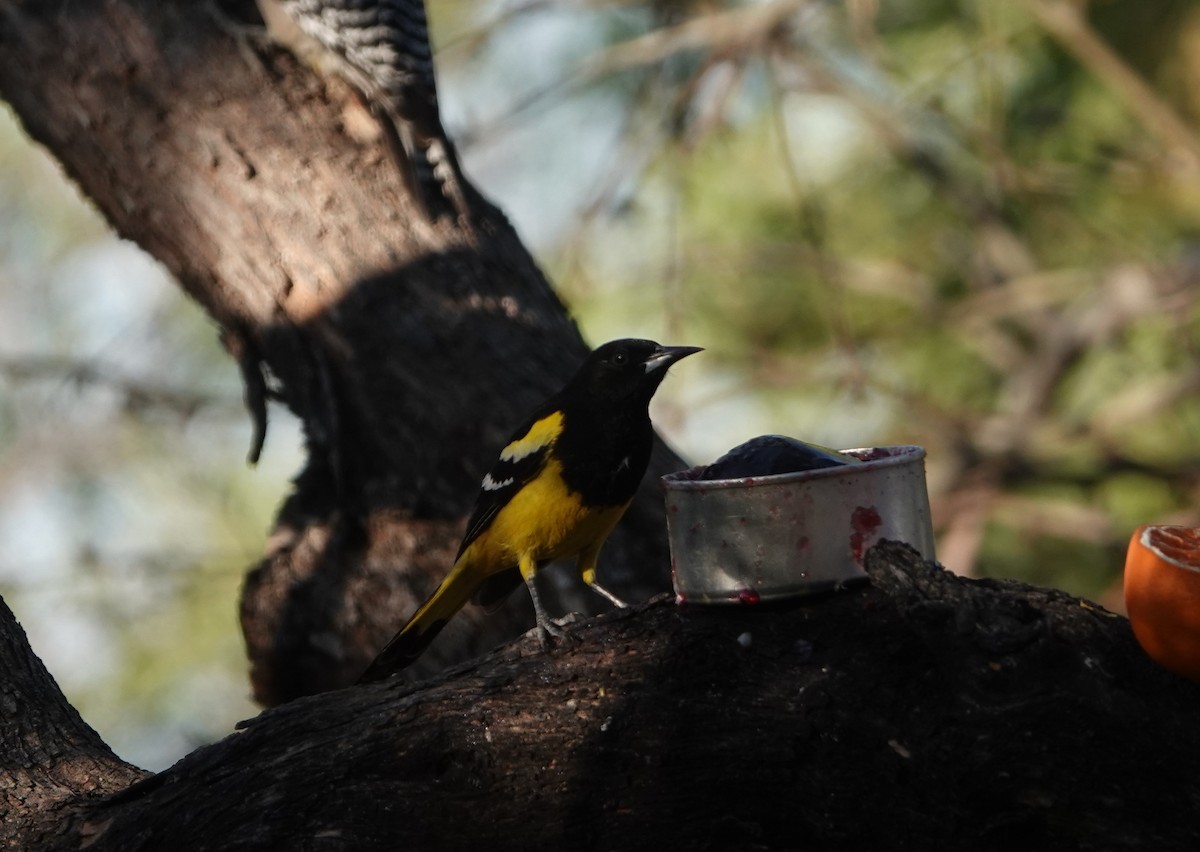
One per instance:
[(521, 460)]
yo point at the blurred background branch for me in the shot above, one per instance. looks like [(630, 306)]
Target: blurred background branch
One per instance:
[(1067, 22), (135, 395)]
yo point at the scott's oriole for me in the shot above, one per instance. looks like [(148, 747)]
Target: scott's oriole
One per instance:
[(559, 487)]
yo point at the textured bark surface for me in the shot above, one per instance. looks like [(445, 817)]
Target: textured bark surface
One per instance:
[(50, 760), (924, 711), (408, 350)]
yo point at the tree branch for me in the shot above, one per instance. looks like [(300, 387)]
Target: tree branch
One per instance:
[(926, 707)]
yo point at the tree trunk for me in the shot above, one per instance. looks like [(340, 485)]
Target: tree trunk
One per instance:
[(926, 711), (408, 350)]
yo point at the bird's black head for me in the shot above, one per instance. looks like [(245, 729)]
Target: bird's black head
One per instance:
[(627, 370)]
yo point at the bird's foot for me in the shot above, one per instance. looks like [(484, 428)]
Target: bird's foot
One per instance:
[(451, 185), (231, 24), (247, 34), (551, 630)]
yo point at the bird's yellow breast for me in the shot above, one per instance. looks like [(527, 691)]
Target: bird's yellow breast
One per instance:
[(544, 520)]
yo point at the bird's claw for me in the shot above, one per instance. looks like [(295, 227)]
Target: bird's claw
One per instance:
[(552, 630)]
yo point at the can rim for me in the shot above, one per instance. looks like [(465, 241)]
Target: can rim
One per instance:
[(899, 454)]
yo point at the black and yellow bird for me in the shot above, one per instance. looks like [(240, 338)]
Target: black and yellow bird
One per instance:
[(561, 483)]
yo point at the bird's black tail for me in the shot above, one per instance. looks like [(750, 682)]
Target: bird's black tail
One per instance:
[(426, 623)]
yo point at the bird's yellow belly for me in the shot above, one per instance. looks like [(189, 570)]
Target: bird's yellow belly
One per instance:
[(545, 521)]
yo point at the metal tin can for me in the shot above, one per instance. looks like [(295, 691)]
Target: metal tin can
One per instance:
[(761, 538)]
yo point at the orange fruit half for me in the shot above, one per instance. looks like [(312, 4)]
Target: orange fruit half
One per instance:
[(1162, 595)]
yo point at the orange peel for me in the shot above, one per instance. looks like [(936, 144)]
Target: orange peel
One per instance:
[(1162, 595)]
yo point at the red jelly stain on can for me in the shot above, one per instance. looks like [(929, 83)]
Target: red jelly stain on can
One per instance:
[(748, 596), (864, 522)]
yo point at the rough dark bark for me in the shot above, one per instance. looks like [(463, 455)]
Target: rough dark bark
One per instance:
[(50, 760), (409, 351), (925, 711)]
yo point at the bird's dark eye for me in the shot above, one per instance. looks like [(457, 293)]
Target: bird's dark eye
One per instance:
[(620, 359)]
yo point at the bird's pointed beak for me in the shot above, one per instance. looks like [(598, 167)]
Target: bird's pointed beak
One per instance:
[(665, 356)]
